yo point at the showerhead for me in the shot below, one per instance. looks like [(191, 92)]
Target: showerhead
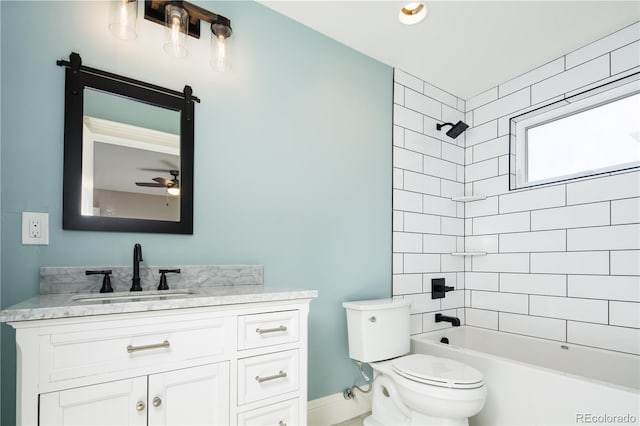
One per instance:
[(455, 130)]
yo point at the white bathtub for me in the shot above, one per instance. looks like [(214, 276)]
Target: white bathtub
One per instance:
[(541, 382)]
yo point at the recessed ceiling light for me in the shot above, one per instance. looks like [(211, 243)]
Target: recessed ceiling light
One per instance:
[(412, 13)]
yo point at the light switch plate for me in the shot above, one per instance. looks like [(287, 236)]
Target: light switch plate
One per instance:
[(35, 228)]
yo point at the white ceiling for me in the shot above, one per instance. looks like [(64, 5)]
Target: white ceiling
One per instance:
[(464, 47)]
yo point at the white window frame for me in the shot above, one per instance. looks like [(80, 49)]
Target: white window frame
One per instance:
[(593, 98)]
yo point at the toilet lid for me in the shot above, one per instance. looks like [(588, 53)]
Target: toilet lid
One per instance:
[(437, 371)]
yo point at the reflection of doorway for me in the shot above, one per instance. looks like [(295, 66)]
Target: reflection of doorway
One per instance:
[(116, 171), (115, 157)]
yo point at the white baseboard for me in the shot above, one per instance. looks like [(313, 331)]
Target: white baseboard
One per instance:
[(332, 409)]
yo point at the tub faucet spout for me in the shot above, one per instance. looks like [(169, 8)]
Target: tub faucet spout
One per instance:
[(453, 320)]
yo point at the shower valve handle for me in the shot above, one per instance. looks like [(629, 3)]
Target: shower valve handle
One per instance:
[(438, 288)]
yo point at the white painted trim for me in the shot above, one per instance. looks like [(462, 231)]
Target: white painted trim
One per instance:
[(332, 409)]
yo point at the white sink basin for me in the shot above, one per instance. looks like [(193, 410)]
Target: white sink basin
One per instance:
[(133, 296)]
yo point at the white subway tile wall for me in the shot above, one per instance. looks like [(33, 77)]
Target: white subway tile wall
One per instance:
[(625, 58), (544, 284), (429, 169), (625, 262), (609, 287), (563, 260), (482, 318), (574, 270), (604, 45), (571, 79)]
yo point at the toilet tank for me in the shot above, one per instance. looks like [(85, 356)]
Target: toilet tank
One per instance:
[(378, 329)]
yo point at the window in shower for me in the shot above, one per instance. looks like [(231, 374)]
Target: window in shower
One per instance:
[(591, 133)]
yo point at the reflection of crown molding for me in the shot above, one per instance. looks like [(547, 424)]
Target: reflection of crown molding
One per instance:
[(115, 133)]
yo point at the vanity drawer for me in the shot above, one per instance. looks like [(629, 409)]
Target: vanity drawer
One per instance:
[(123, 347), (283, 413), (272, 328), (264, 376)]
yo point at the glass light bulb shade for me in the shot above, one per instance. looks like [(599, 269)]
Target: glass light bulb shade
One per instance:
[(123, 15), (220, 53), (412, 13), (175, 191), (176, 32)]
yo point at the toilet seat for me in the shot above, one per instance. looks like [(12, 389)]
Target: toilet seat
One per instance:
[(436, 371)]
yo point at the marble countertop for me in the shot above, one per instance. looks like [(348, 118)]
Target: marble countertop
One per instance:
[(65, 305)]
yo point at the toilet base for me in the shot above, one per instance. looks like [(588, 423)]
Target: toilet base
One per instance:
[(387, 409)]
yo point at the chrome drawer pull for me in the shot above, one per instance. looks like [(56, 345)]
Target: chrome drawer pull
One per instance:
[(280, 375), (282, 423), (163, 345), (271, 330), (140, 406)]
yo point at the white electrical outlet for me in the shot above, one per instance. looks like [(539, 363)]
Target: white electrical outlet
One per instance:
[(35, 228)]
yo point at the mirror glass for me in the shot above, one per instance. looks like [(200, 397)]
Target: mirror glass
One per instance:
[(131, 158)]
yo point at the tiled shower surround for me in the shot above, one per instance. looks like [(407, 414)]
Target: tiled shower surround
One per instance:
[(563, 260)]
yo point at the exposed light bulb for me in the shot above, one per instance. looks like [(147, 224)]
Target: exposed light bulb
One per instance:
[(175, 33), (123, 19)]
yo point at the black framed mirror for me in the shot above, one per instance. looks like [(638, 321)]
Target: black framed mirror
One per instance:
[(128, 153)]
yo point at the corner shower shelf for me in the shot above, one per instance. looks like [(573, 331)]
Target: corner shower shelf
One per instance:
[(467, 198), (469, 253)]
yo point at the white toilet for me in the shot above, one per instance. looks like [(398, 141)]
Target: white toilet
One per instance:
[(409, 389)]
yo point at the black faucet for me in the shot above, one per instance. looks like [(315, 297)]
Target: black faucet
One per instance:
[(137, 258), (453, 320)]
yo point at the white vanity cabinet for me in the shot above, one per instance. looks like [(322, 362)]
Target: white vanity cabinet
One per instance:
[(220, 365)]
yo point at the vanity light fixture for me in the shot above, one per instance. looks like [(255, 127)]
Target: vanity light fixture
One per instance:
[(182, 19), (412, 13), (123, 15)]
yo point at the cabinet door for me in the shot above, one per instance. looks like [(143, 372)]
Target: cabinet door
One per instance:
[(193, 396), (114, 403)]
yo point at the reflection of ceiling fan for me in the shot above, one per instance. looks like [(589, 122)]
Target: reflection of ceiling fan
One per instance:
[(173, 185)]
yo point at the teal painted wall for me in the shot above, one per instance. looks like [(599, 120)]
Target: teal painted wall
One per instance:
[(292, 162)]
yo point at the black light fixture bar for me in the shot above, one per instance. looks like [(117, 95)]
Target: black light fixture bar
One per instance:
[(154, 12)]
